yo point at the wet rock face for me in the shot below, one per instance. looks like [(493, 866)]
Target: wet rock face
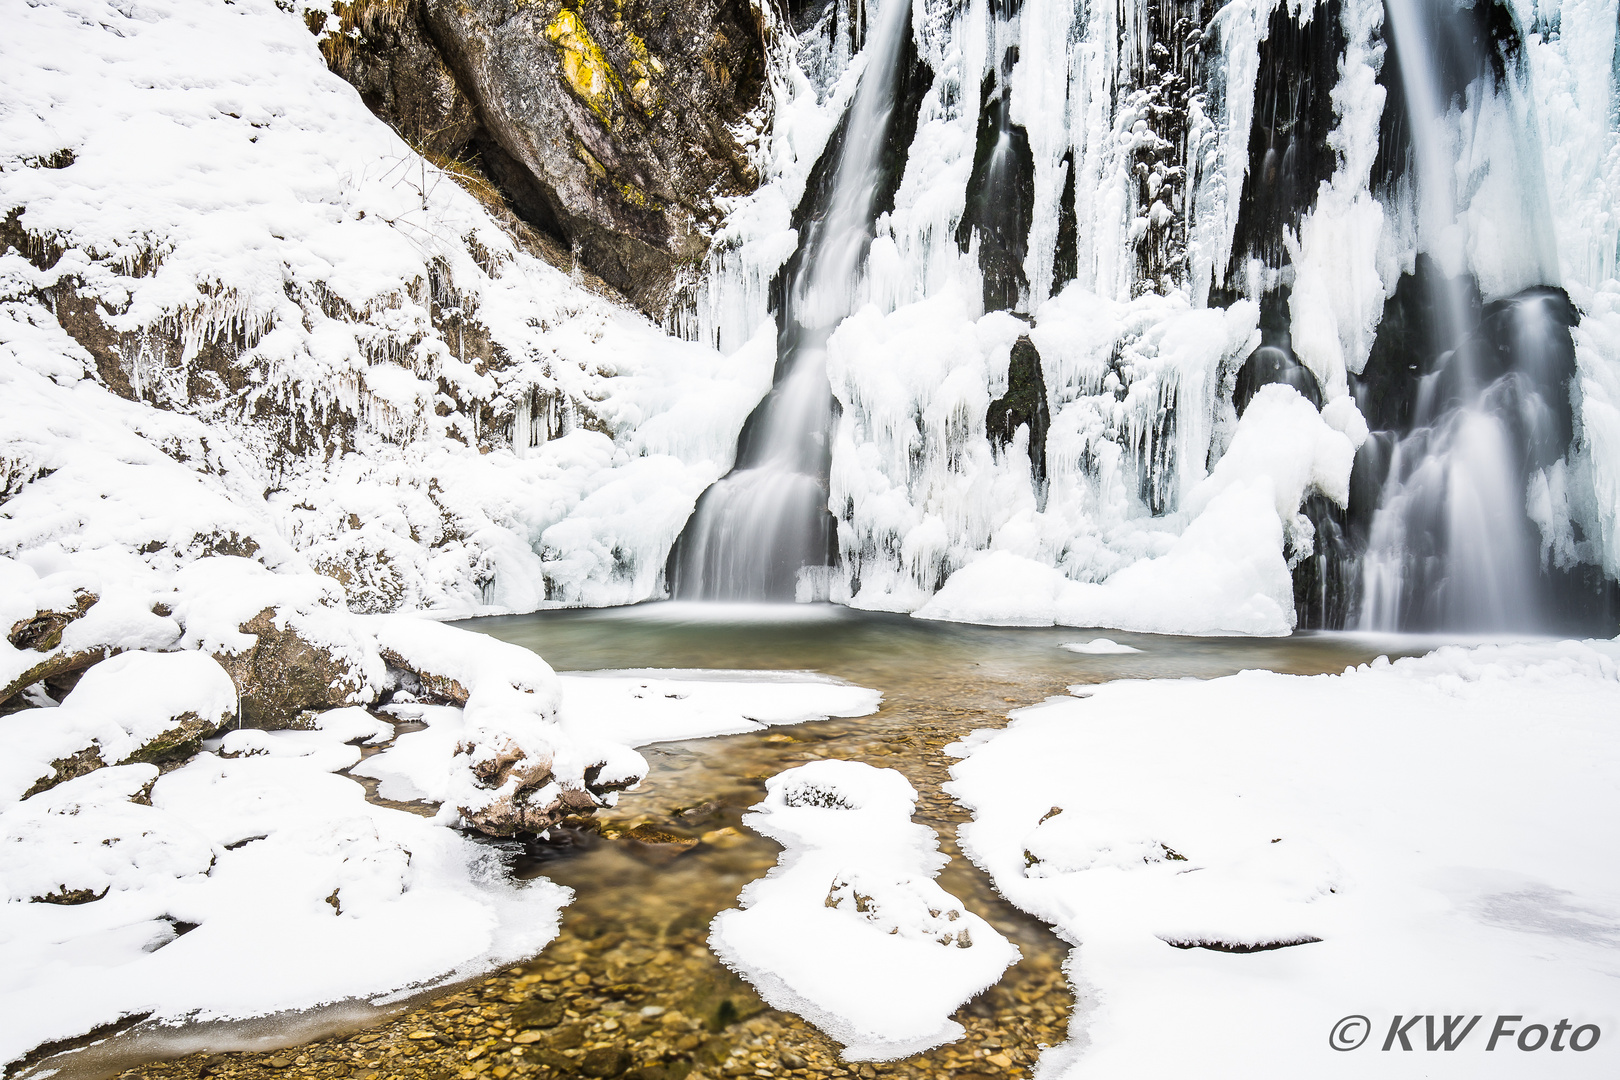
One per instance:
[(609, 125)]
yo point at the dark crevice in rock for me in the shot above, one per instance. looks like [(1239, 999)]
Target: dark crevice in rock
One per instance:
[(1289, 155), (1066, 259), (1000, 195)]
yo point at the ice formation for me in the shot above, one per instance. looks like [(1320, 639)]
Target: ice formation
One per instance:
[(849, 929), (1111, 225), (1242, 861)]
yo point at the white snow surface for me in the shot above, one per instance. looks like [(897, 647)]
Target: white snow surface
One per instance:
[(849, 929), (289, 284), (299, 891), (1430, 831), (1099, 647)]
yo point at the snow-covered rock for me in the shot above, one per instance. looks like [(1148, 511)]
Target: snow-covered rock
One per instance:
[(136, 707), (240, 886), (849, 929), (239, 316)]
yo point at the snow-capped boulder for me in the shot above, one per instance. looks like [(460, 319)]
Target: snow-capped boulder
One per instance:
[(136, 707), (287, 641), (59, 625), (514, 768)]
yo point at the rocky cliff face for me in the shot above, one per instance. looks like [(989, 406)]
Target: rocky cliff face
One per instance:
[(611, 127)]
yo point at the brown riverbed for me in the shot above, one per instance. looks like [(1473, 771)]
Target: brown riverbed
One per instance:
[(630, 989)]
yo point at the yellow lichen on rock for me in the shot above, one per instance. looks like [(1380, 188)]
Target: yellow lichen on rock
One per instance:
[(641, 91), (589, 159), (584, 65), (636, 197)]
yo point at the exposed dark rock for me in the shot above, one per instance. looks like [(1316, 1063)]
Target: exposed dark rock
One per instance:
[(1000, 197), (42, 631), (284, 674), (63, 769), (610, 127), (1023, 405), (382, 49), (1066, 259), (70, 897), (55, 665), (441, 689), (605, 1061), (1274, 361), (1289, 155)]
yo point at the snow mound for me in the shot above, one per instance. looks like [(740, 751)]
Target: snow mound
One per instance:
[(1246, 859), (1098, 647), (850, 930)]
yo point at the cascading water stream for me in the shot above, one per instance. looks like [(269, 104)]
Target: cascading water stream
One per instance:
[(1448, 546), (757, 532)]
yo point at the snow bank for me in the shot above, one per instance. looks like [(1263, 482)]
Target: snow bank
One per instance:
[(850, 930), (254, 881), (1403, 838)]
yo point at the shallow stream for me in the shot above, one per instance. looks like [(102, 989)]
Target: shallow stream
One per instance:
[(629, 988)]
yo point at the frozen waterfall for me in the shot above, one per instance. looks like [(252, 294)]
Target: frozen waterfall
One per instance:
[(762, 531), (1181, 317)]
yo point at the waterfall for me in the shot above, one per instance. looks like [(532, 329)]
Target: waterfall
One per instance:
[(761, 531), (1042, 383), (1450, 545)]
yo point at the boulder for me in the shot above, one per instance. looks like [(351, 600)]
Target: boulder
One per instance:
[(135, 708), (514, 770), (287, 673)]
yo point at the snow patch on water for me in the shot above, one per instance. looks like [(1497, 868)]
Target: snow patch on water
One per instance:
[(850, 930)]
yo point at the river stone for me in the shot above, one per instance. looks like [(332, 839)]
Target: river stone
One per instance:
[(538, 1014), (606, 1061)]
